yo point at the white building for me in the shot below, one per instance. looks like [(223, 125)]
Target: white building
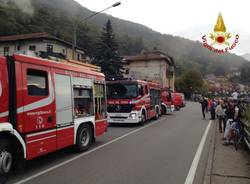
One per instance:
[(40, 44)]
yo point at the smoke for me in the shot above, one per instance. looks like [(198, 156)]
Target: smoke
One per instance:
[(25, 6)]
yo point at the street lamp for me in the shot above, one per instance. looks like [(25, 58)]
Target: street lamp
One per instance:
[(86, 18)]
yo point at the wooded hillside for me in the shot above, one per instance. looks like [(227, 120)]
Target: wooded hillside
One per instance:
[(57, 17)]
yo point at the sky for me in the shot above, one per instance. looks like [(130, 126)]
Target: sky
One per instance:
[(186, 18)]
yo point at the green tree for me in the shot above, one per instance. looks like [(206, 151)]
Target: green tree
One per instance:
[(125, 45), (107, 56), (138, 45), (189, 82), (129, 45), (245, 73), (57, 17)]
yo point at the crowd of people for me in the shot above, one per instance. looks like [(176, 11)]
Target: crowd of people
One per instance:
[(229, 113)]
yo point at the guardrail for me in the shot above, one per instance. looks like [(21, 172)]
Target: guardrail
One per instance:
[(247, 134)]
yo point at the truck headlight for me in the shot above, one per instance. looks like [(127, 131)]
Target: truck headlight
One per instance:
[(132, 115)]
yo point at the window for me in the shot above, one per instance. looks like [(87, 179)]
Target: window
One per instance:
[(32, 47), (78, 57), (6, 51), (83, 56), (49, 48), (122, 90), (100, 102), (83, 102), (18, 47), (37, 82), (127, 71), (155, 97)]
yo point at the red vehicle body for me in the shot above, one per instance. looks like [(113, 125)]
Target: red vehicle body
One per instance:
[(133, 101), (46, 106), (179, 100), (167, 103)]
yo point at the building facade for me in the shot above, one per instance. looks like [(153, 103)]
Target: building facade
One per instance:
[(39, 44), (154, 66)]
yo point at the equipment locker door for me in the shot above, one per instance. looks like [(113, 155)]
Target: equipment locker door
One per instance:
[(64, 110)]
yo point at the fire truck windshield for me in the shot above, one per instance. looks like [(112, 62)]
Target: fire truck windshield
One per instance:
[(122, 90)]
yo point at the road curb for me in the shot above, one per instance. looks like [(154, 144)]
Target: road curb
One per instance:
[(210, 159)]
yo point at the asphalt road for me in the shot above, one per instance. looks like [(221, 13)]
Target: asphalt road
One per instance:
[(160, 152)]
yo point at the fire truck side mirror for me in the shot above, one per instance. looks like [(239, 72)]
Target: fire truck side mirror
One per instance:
[(169, 96), (140, 91)]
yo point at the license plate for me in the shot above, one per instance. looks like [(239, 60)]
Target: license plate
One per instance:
[(118, 115), (118, 120)]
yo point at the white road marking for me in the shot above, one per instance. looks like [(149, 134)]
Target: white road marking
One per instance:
[(86, 153), (193, 168)]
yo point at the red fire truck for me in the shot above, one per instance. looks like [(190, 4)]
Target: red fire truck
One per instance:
[(133, 101), (167, 104), (179, 100), (47, 105)]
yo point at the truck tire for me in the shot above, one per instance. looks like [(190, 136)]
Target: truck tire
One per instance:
[(157, 114), (20, 165), (143, 118), (84, 137), (6, 157), (163, 110)]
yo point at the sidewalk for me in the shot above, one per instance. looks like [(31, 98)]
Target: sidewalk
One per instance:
[(225, 164)]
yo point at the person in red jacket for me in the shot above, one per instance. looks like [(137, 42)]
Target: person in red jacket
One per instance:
[(209, 104)]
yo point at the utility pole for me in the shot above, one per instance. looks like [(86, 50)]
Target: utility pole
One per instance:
[(74, 37)]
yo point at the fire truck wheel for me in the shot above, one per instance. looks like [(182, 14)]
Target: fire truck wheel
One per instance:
[(163, 110), (6, 158), (157, 114), (20, 165), (84, 137), (143, 118)]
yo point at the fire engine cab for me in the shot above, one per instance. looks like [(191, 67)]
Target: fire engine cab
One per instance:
[(133, 101), (46, 106)]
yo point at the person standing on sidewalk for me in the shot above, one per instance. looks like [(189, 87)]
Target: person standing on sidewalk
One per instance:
[(235, 95), (234, 114), (220, 112), (204, 104), (212, 109), (209, 103)]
